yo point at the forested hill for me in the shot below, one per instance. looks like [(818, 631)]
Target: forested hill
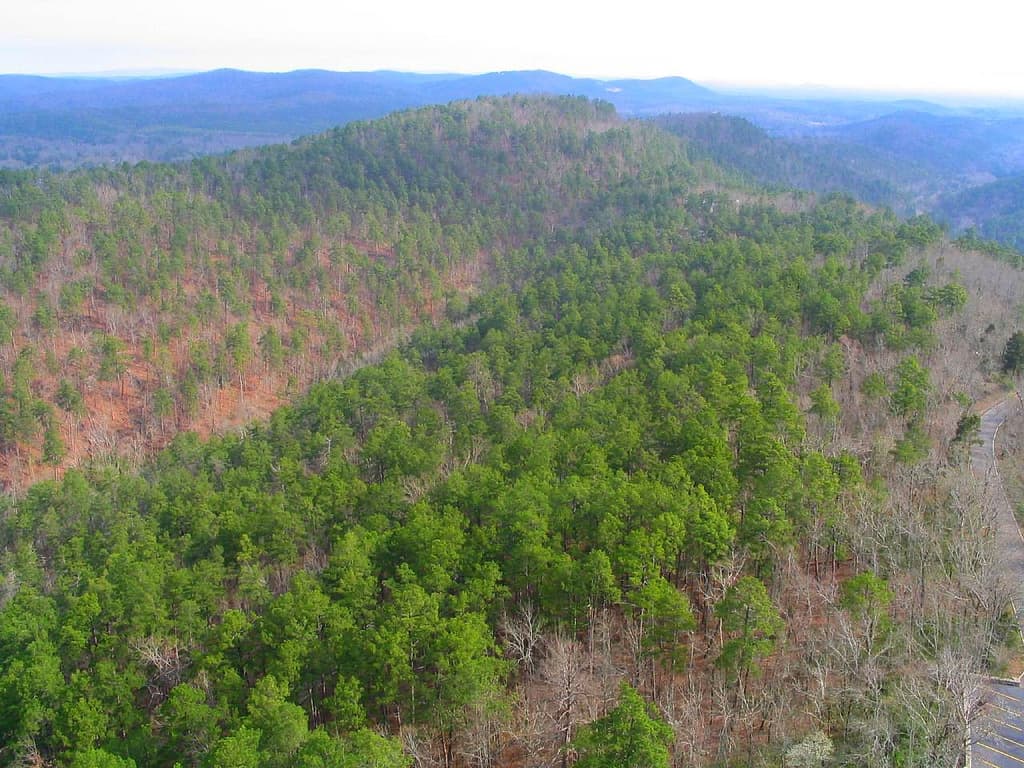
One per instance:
[(913, 156), (817, 164), (964, 171), (995, 211), (137, 302), (684, 482)]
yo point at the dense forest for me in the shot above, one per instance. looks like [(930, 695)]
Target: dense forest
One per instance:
[(144, 300), (963, 172), (666, 471), (992, 211), (813, 164), (958, 161)]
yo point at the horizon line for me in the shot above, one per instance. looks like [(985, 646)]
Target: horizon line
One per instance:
[(775, 89)]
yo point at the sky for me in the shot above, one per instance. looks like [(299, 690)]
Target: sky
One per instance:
[(897, 46)]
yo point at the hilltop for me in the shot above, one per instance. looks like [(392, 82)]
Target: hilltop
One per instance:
[(912, 155)]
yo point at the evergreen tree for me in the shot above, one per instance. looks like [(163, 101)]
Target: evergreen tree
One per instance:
[(1013, 353), (629, 736)]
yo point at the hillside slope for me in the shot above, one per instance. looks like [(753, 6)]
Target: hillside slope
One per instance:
[(954, 145), (964, 171), (995, 211), (816, 164), (141, 301), (914, 156)]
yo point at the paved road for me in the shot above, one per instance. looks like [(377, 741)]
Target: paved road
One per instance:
[(983, 461), (998, 734)]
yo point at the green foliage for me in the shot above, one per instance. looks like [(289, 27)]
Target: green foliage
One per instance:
[(239, 345), (971, 240), (865, 594), (950, 297), (824, 405), (272, 348), (833, 363), (8, 323), (191, 724), (44, 319), (1013, 353), (866, 597), (666, 614), (53, 444), (921, 231), (69, 398), (163, 404), (913, 446), (239, 750), (627, 737), (360, 749), (874, 386), (280, 724), (112, 359), (97, 758), (968, 428), (753, 623), (822, 166), (910, 393), (614, 416)]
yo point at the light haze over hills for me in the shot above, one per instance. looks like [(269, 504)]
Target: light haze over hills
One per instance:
[(914, 155)]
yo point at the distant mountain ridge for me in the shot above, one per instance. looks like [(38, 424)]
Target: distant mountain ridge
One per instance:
[(389, 87), (949, 143), (910, 154), (821, 165), (66, 122), (994, 211)]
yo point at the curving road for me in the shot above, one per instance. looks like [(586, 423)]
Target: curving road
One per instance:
[(983, 461), (999, 733)]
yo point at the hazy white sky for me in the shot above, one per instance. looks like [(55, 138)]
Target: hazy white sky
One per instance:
[(899, 45)]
